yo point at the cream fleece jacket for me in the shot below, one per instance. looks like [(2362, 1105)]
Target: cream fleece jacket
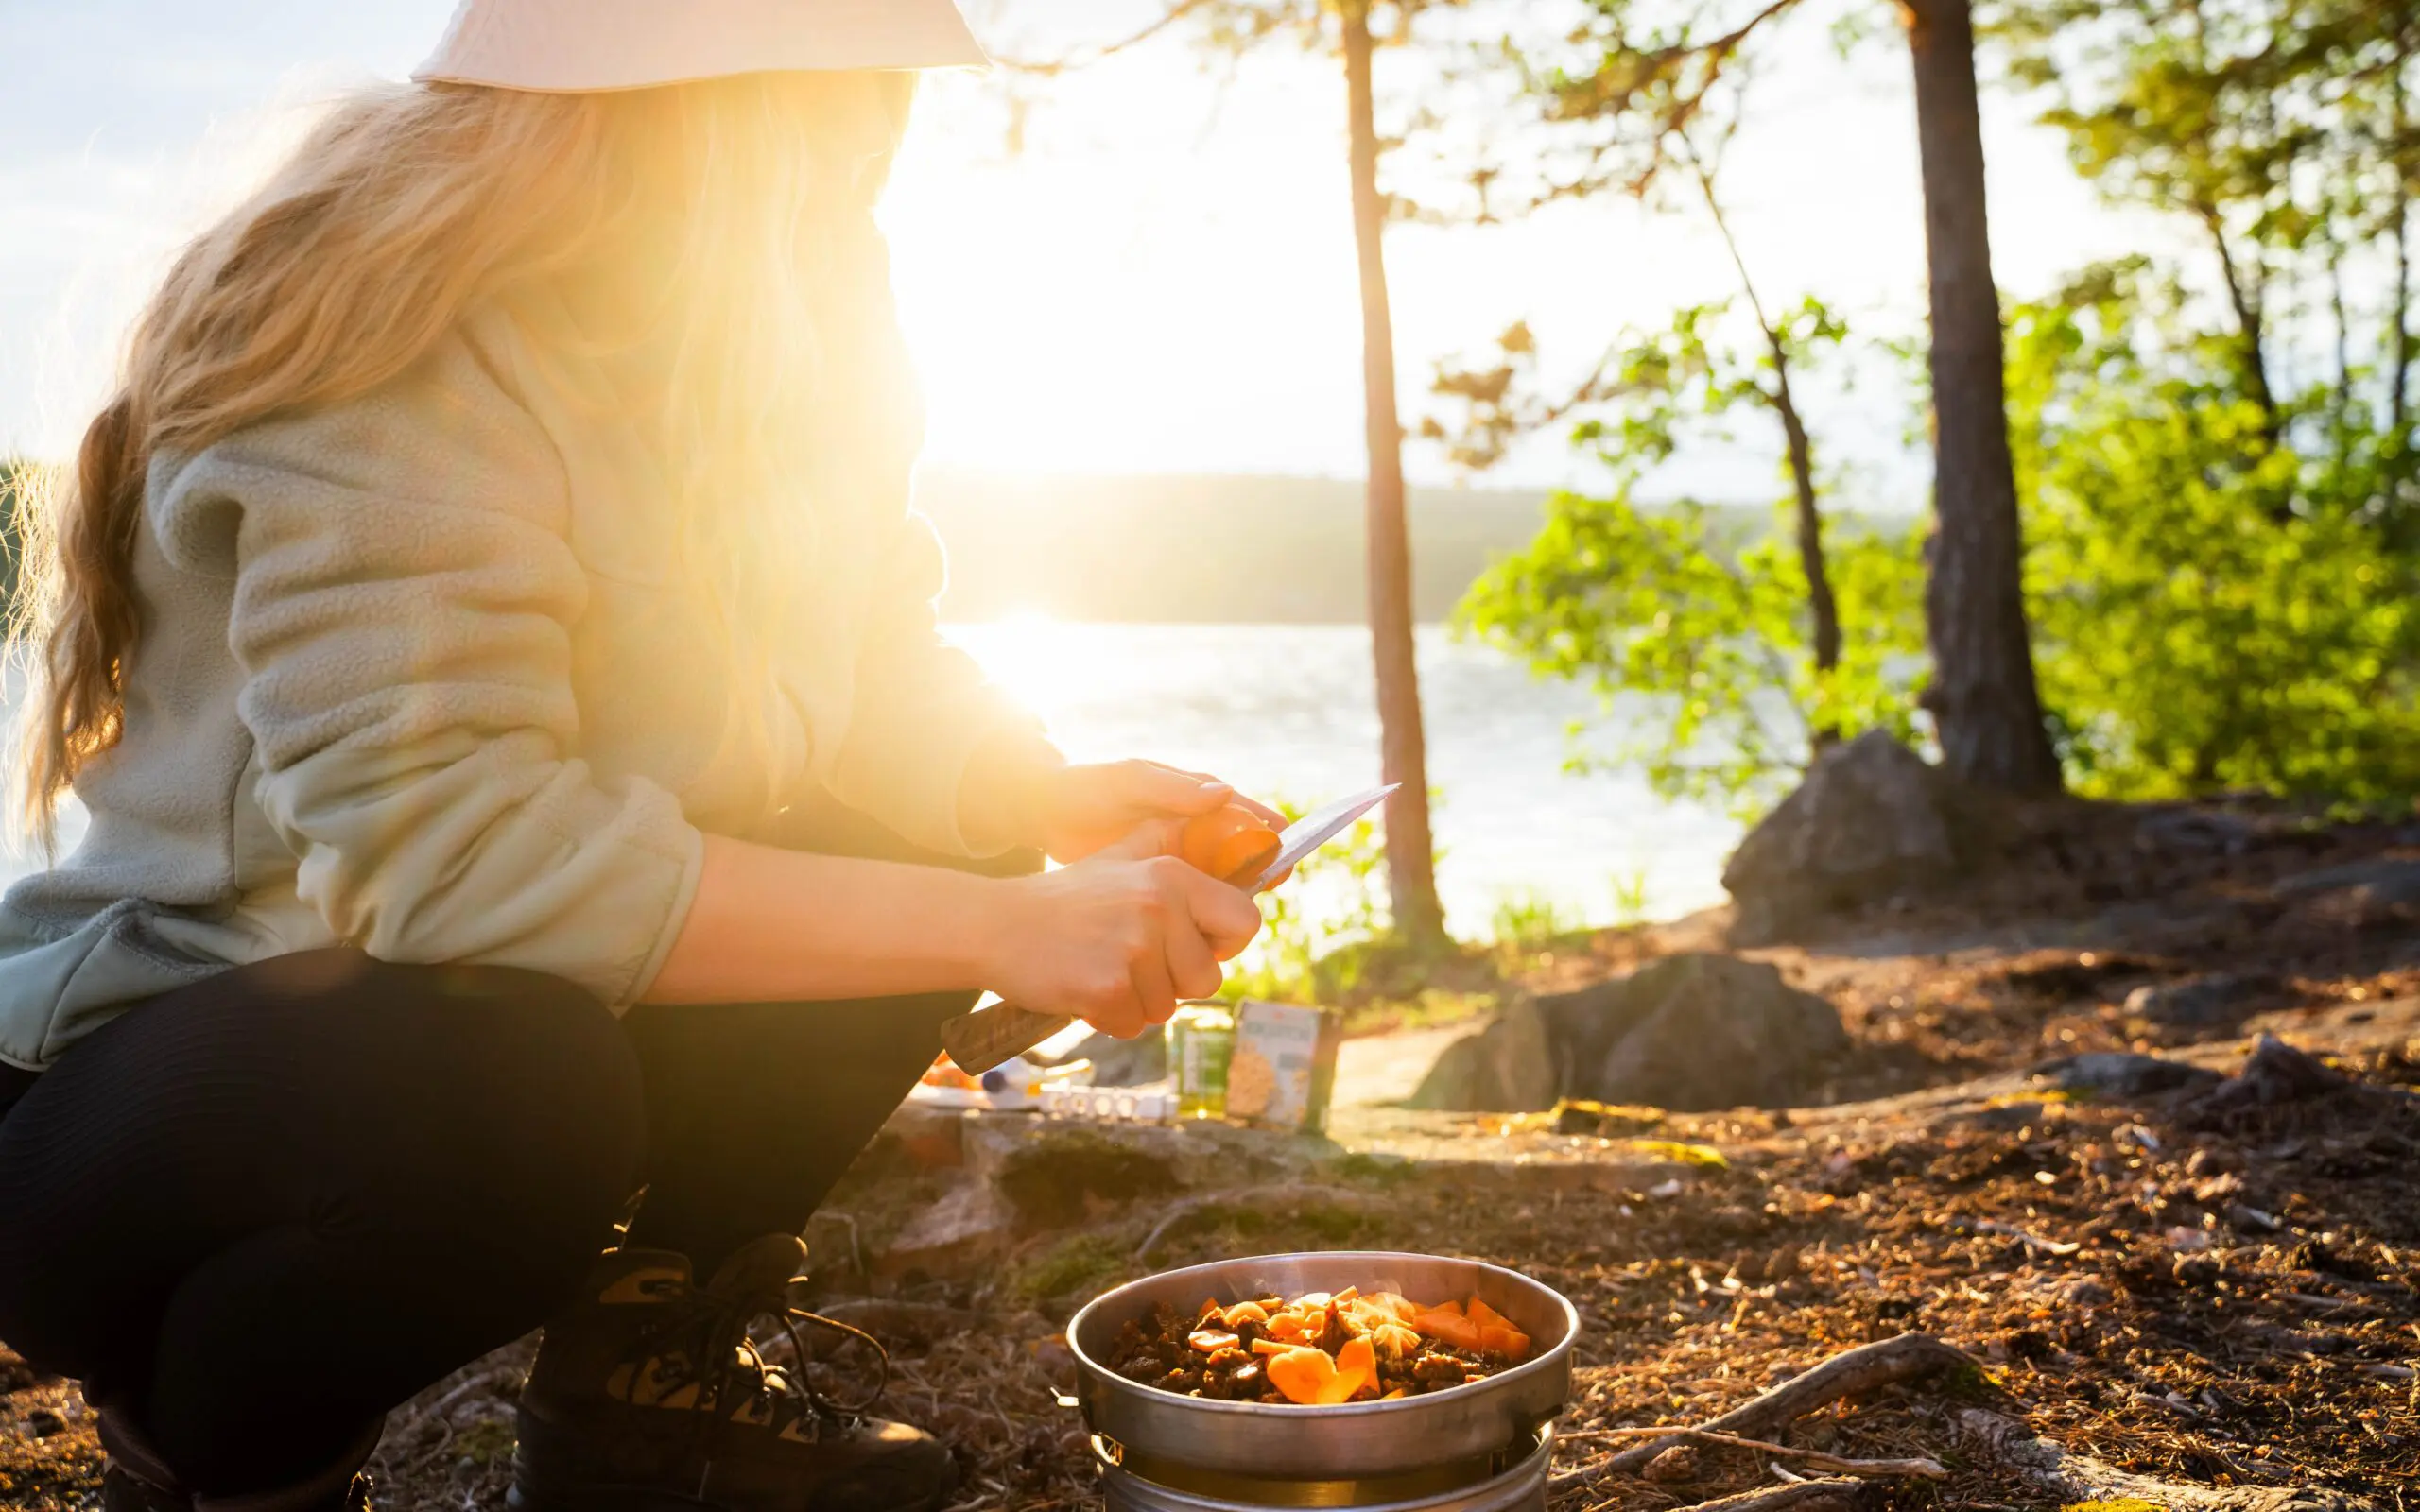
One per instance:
[(416, 674)]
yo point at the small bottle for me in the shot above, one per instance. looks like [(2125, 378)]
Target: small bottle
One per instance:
[(1202, 1038)]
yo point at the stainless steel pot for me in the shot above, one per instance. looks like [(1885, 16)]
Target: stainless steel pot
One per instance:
[(1520, 1487), (1368, 1439)]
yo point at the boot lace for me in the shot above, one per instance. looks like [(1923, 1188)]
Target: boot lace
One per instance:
[(712, 1331)]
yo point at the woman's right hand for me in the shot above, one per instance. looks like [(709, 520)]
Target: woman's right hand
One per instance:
[(1120, 937)]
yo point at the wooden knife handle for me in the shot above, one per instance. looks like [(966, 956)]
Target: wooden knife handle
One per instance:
[(979, 1041)]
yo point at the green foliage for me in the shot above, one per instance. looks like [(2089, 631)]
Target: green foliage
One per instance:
[(1675, 1152), (2280, 131), (1661, 601), (1532, 921), (1336, 901), (2210, 613), (1630, 897), (1082, 1263), (19, 476)]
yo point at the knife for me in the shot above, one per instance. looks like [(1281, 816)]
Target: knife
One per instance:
[(983, 1038)]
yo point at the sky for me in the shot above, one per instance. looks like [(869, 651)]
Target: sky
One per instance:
[(1161, 281)]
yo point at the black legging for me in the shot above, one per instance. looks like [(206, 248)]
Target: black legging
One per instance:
[(260, 1211)]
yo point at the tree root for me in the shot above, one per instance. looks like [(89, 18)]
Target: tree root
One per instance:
[(1860, 1370), (1929, 1469), (1806, 1495)]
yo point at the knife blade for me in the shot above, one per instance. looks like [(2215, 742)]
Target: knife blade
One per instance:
[(983, 1038)]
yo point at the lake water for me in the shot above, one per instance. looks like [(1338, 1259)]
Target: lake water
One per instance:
[(1289, 711)]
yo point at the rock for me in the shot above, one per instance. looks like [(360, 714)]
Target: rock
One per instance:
[(2277, 1072), (1052, 1171), (1124, 1062), (931, 1136), (2218, 1001), (1508, 1067), (1692, 1032), (2122, 1073), (1716, 1032), (2386, 882), (2195, 830), (966, 1229), (1870, 822)]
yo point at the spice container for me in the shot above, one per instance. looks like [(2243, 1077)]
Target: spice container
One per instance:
[(1201, 1040), (1284, 1067)]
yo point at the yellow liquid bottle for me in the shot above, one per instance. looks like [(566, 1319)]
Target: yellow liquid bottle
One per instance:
[(1202, 1040)]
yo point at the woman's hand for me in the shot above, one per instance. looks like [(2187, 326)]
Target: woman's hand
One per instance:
[(1035, 796), (1118, 938)]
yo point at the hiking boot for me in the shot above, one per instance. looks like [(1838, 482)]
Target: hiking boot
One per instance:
[(649, 1396), (138, 1480)]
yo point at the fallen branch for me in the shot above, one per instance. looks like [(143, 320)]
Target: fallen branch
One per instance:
[(1261, 1200), (1923, 1468), (2081, 1477), (917, 1322), (1807, 1495), (1853, 1373), (2009, 1230)]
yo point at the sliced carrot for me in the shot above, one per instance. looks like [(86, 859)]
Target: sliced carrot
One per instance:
[(1230, 843), (1210, 1341), (1450, 1326), (1243, 1313), (1497, 1334), (1357, 1363), (1271, 1347), (1347, 1295), (1209, 1305), (1309, 1377)]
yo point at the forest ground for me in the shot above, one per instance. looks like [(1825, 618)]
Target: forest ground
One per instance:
[(2205, 1290)]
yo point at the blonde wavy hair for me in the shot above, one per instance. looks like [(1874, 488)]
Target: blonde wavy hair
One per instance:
[(739, 213)]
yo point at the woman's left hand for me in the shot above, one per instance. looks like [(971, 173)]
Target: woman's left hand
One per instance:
[(1085, 808), (1073, 809)]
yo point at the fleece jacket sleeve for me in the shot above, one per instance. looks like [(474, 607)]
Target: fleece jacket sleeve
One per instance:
[(402, 604), (922, 706)]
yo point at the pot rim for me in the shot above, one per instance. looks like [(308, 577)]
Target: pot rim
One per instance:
[(1536, 1365)]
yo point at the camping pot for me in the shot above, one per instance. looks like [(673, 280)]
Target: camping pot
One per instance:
[(1521, 1486), (1445, 1443)]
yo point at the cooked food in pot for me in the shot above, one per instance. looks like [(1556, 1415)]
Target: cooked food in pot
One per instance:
[(1321, 1350)]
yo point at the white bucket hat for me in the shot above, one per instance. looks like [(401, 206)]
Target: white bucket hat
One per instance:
[(583, 46)]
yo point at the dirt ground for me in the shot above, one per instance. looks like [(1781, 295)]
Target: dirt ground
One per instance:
[(2207, 1288)]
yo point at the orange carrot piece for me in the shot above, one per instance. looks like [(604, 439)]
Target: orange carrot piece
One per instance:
[(1357, 1365), (1210, 1341), (1308, 1377)]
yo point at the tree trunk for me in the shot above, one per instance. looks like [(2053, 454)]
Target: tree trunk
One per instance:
[(2399, 329), (1822, 609), (1984, 697), (2251, 326), (1412, 878), (1811, 518)]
